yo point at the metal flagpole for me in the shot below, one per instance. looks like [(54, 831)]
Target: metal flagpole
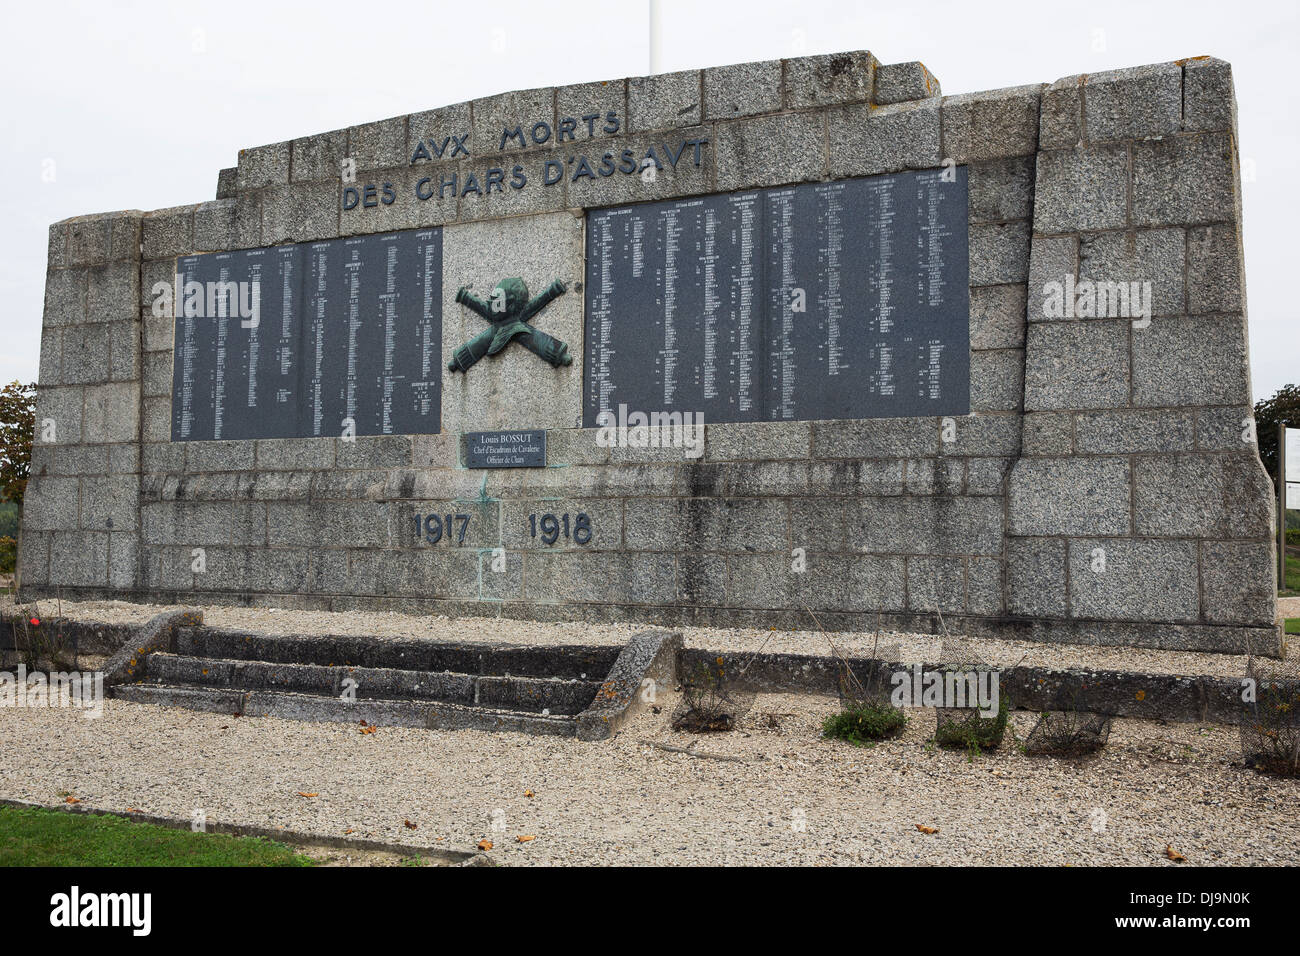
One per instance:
[(656, 37)]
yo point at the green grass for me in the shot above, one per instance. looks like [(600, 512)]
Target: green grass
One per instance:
[(864, 724), (1292, 581), (1292, 625), (973, 732), (40, 837)]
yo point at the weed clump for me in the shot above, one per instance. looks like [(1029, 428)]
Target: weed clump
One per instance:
[(965, 728), (864, 723), (1069, 727), (1270, 717), (711, 701)]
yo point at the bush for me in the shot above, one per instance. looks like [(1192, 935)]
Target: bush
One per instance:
[(42, 645), (711, 703), (1068, 733), (1270, 724), (1071, 725), (964, 727), (866, 713), (967, 729), (17, 426), (865, 723), (8, 554)]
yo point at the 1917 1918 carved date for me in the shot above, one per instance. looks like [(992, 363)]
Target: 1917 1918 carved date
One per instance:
[(551, 527), (433, 528)]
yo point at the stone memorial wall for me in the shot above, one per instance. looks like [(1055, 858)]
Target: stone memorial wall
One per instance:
[(983, 354)]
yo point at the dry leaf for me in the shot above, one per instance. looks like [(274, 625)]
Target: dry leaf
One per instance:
[(301, 794), (528, 793), (133, 810), (485, 844), (525, 838), (1174, 854), (347, 831), (71, 800), (410, 825), (924, 829)]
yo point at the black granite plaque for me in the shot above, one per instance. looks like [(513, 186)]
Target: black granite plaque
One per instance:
[(508, 449), (827, 300), (345, 331)]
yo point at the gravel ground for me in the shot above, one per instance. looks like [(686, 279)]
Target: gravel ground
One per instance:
[(924, 648), (624, 802), (1288, 607)]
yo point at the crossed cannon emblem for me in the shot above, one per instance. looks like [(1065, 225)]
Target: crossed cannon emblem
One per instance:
[(509, 313)]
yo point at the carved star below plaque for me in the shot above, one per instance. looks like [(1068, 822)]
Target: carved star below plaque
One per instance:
[(509, 312)]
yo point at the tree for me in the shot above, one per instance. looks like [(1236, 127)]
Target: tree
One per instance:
[(17, 426), (1284, 407)]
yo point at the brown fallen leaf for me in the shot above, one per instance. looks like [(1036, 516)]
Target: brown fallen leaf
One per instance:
[(301, 794), (525, 838), (347, 831), (410, 825), (485, 844), (924, 829), (528, 793), (71, 800), (133, 810), (369, 730), (1174, 854)]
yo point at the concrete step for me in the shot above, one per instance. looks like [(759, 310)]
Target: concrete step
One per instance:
[(428, 715), (529, 694), (583, 691), (573, 662)]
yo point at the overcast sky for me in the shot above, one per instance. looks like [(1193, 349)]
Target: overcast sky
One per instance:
[(138, 105)]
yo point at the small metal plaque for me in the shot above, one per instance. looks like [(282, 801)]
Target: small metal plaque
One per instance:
[(515, 449)]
